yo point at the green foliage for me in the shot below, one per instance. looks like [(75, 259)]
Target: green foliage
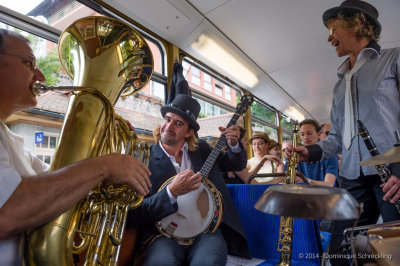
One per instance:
[(50, 67), (286, 125), (202, 115), (263, 113)]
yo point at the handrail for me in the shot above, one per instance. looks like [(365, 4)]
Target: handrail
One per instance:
[(303, 177)]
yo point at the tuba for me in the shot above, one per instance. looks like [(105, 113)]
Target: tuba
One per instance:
[(105, 58)]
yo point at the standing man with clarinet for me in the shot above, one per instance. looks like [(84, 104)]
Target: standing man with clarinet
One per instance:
[(367, 90)]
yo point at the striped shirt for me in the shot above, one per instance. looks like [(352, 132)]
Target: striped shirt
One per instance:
[(376, 102)]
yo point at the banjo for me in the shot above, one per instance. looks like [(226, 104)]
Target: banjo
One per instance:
[(200, 211)]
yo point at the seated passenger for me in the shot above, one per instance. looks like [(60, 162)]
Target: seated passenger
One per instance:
[(322, 173), (238, 177), (324, 131), (275, 149), (263, 162)]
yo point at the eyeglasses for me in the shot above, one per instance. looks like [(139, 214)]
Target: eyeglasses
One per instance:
[(28, 60), (257, 143)]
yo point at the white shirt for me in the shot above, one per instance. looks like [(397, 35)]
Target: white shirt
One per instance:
[(186, 163), (14, 163)]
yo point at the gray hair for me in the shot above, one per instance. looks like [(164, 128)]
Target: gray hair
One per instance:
[(4, 34)]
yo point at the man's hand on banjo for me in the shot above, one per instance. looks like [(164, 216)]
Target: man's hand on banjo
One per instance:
[(184, 183), (231, 133)]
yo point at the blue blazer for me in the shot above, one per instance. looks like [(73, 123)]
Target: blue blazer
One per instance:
[(157, 205)]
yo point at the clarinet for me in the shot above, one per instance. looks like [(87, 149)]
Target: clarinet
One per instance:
[(383, 171)]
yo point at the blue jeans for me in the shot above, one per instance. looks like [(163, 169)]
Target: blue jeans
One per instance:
[(208, 249), (365, 189)]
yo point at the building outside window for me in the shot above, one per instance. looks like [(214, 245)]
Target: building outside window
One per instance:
[(157, 89), (219, 86), (227, 93), (45, 150), (195, 79), (207, 82)]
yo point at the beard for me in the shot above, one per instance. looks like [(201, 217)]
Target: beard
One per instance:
[(167, 139)]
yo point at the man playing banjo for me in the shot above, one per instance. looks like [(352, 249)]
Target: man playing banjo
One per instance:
[(179, 153)]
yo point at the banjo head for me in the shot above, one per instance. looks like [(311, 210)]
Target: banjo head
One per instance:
[(198, 211)]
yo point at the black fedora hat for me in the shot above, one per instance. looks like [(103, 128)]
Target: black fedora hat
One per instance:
[(351, 7), (185, 106)]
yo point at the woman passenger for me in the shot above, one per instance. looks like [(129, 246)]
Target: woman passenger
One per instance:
[(263, 162)]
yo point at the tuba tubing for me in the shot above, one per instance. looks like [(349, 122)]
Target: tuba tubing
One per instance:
[(104, 57)]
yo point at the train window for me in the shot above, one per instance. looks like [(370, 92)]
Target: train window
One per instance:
[(287, 128), (216, 109), (195, 77), (219, 86), (158, 90), (207, 82), (262, 112), (272, 132), (286, 125), (186, 67), (264, 119), (228, 94), (142, 109)]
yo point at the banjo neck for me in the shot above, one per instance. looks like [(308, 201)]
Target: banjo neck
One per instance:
[(212, 158)]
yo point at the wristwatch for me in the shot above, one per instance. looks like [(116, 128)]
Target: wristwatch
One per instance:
[(308, 181)]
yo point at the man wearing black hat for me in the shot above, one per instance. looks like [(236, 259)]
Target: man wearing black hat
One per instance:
[(179, 153), (367, 90)]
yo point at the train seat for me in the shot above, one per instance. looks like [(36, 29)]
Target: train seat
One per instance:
[(262, 229)]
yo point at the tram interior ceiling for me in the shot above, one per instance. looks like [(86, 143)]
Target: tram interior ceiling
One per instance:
[(276, 51)]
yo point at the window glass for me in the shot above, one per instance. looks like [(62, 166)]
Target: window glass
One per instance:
[(45, 150), (186, 68), (219, 86), (207, 82), (157, 56), (208, 109), (262, 112), (215, 109), (45, 143), (227, 92), (195, 78), (47, 159), (287, 126), (23, 7), (53, 141), (286, 136), (141, 109), (271, 132), (158, 89)]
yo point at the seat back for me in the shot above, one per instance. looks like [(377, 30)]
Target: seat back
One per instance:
[(262, 230)]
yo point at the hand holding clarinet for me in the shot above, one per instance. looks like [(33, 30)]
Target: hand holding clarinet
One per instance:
[(390, 183)]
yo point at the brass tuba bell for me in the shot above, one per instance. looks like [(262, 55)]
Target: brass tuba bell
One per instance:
[(105, 58)]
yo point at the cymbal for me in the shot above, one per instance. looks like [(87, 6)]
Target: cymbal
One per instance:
[(391, 156), (309, 202)]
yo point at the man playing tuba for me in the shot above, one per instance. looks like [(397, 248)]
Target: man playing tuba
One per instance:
[(29, 196)]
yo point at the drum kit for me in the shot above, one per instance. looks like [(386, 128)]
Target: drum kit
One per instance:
[(379, 241)]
